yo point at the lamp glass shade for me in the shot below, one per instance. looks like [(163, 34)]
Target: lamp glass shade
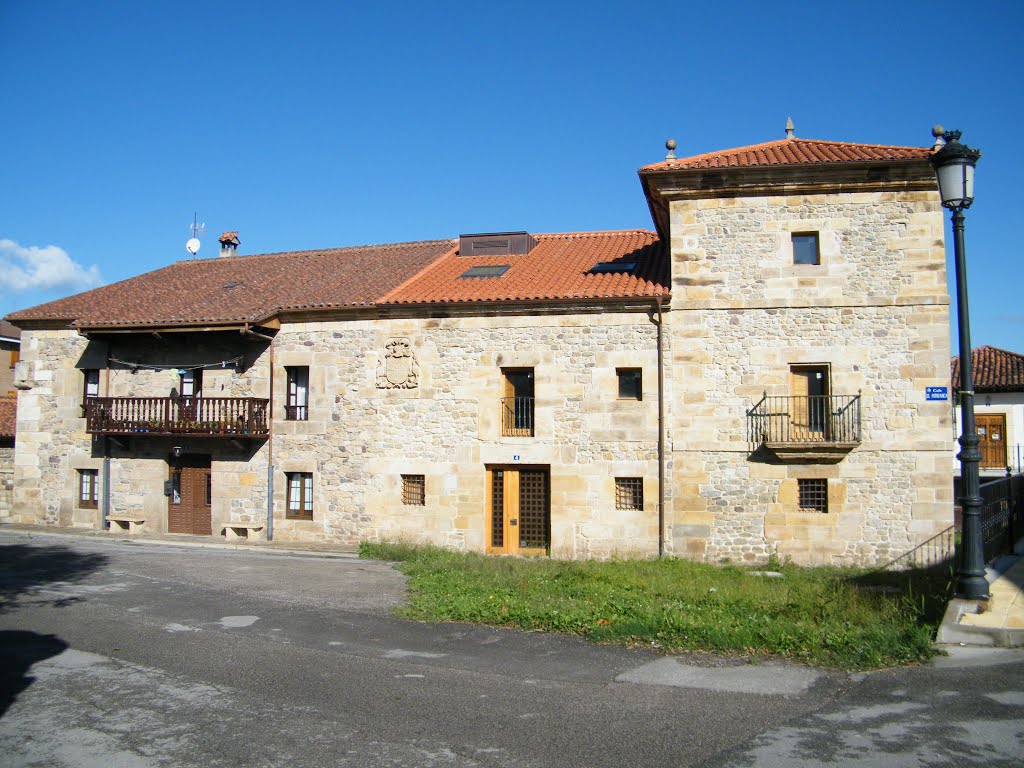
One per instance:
[(956, 183)]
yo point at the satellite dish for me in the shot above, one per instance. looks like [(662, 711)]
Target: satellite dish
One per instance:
[(192, 246)]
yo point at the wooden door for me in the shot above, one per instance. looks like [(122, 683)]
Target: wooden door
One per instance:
[(992, 435), (518, 510), (188, 506), (809, 402)]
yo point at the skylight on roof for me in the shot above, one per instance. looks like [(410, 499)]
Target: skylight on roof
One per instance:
[(605, 267), (493, 270)]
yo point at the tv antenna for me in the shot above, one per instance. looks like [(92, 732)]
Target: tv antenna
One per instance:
[(197, 229)]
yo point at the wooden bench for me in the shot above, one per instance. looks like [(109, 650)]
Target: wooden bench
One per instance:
[(241, 531), (121, 523)]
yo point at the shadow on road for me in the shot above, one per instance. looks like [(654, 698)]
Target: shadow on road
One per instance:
[(25, 574), (25, 570), (20, 650)]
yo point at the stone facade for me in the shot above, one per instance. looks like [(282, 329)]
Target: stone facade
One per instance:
[(361, 437), (873, 312)]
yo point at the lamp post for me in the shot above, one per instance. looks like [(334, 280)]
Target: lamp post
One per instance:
[(954, 167)]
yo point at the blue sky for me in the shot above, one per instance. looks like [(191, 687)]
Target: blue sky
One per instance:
[(320, 124)]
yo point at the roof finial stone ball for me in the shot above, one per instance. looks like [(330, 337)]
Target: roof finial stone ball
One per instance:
[(670, 145), (938, 131)]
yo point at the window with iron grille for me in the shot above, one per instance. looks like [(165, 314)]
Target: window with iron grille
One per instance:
[(813, 495), (630, 383), (414, 490), (629, 493), (297, 408), (88, 488), (300, 495)]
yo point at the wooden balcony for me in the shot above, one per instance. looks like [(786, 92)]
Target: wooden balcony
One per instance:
[(232, 417), (821, 428)]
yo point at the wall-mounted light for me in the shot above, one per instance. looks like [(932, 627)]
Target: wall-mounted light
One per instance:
[(176, 451)]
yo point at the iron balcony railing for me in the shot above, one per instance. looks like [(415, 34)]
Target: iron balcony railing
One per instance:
[(226, 416), (517, 416), (1002, 515), (800, 419)]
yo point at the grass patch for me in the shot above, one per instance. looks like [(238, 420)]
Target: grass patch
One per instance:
[(835, 617)]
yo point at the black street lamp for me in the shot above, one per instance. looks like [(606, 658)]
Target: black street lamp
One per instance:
[(954, 167)]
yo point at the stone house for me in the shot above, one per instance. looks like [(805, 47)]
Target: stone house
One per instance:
[(10, 349), (998, 409), (749, 379)]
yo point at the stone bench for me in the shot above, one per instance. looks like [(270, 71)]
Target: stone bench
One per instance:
[(241, 531), (121, 523)]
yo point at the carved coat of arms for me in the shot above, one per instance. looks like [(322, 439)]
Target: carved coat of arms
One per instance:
[(398, 368)]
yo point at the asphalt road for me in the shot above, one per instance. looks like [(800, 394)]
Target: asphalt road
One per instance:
[(119, 653)]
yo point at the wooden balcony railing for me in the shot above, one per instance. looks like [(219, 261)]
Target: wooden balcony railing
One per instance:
[(517, 416), (802, 420), (219, 416)]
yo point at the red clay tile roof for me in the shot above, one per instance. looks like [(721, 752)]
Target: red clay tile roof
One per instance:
[(791, 152), (9, 331), (558, 268), (8, 408), (993, 370), (244, 289)]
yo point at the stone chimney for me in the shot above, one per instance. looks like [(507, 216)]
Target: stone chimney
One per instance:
[(229, 243)]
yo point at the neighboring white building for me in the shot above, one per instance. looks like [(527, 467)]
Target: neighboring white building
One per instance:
[(998, 409)]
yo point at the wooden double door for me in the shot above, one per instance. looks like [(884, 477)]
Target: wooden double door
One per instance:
[(518, 510), (188, 503), (992, 439)]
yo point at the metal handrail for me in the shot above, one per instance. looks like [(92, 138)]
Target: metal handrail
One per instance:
[(517, 416), (782, 419)]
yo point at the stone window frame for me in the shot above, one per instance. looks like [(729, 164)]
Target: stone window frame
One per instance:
[(621, 372), (629, 493), (305, 499), (414, 490), (88, 496)]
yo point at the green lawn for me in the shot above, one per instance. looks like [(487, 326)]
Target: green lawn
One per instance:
[(834, 617)]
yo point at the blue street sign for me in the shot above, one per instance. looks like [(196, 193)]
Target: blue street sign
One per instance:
[(936, 393)]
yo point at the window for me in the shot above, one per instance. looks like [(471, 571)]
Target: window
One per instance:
[(612, 267), (300, 495), (92, 383), (629, 493), (805, 248), (414, 490), (15, 356), (88, 488), (630, 383), (191, 383), (813, 495), (297, 408), (517, 402), (494, 270)]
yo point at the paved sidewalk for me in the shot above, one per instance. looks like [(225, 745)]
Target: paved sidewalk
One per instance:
[(1001, 621), (315, 549)]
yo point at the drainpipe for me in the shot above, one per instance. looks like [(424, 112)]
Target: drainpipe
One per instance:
[(106, 484), (661, 436), (270, 439)]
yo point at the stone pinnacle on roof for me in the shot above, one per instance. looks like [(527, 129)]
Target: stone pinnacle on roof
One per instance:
[(940, 137), (789, 128), (670, 145)]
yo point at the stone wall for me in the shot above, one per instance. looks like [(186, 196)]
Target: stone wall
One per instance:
[(6, 477), (874, 312), (363, 432)]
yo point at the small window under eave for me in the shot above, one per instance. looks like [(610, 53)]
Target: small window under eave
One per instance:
[(492, 270)]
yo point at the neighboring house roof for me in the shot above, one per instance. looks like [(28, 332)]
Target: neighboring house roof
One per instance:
[(8, 331), (992, 369), (791, 151), (8, 411), (558, 268), (244, 289)]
